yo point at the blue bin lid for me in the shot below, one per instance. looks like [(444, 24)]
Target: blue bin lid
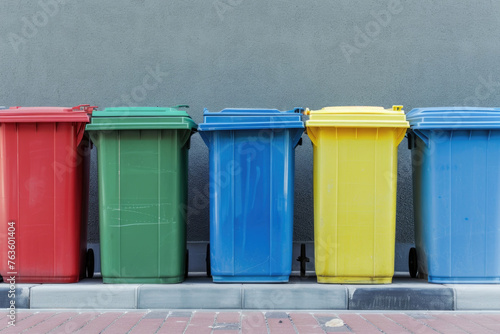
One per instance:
[(245, 119), (454, 118)]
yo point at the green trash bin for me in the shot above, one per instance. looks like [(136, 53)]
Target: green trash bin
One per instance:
[(142, 175)]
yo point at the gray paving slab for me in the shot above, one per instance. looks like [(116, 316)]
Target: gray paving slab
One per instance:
[(476, 297), (276, 315), (180, 314), (226, 327), (158, 315), (299, 294), (294, 296), (401, 298), (189, 296), (20, 293), (84, 296)]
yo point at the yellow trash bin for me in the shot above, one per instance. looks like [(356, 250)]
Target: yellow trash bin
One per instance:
[(355, 173)]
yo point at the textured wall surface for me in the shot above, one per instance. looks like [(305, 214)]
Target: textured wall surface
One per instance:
[(237, 53)]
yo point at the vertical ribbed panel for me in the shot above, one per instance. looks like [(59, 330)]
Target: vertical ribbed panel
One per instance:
[(457, 211), (42, 194), (251, 175), (143, 202), (355, 176)]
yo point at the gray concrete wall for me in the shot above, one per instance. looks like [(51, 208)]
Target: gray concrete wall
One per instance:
[(237, 53)]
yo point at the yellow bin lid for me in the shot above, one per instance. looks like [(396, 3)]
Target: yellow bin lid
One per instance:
[(357, 116)]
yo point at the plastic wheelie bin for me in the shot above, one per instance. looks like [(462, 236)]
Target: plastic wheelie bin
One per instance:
[(456, 190), (44, 172), (142, 167), (252, 154), (355, 173)]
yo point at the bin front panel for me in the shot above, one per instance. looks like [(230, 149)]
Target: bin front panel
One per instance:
[(143, 197), (41, 191), (251, 213), (457, 205), (355, 173)]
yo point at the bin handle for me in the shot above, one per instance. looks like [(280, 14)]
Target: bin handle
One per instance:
[(185, 138), (411, 139), (401, 135), (310, 131), (422, 136), (206, 135), (80, 133), (181, 106), (297, 138)]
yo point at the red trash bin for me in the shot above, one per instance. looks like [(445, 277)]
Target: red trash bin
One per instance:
[(44, 167)]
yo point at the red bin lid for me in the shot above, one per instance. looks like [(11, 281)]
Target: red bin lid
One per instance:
[(46, 114)]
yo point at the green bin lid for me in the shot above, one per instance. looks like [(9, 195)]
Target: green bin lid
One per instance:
[(140, 118)]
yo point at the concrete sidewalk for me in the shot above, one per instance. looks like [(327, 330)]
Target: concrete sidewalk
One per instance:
[(248, 322), (299, 294)]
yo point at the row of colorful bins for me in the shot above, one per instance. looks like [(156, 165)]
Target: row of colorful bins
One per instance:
[(142, 169)]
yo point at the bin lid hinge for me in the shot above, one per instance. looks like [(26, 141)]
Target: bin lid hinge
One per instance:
[(85, 107)]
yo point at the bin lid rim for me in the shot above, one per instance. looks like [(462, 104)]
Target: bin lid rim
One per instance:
[(43, 114), (138, 126), (138, 123), (454, 117), (454, 109), (349, 110), (358, 124), (250, 126), (251, 119), (252, 112), (140, 112), (357, 116)]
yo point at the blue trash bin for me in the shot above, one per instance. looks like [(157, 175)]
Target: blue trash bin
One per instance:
[(251, 192), (456, 188)]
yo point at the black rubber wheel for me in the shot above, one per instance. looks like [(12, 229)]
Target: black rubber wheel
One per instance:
[(90, 263), (412, 262), (186, 269), (207, 260)]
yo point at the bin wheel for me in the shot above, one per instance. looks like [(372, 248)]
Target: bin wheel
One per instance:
[(412, 262), (90, 263), (207, 260), (186, 269)]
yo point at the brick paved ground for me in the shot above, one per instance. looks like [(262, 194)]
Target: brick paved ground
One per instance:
[(247, 322)]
